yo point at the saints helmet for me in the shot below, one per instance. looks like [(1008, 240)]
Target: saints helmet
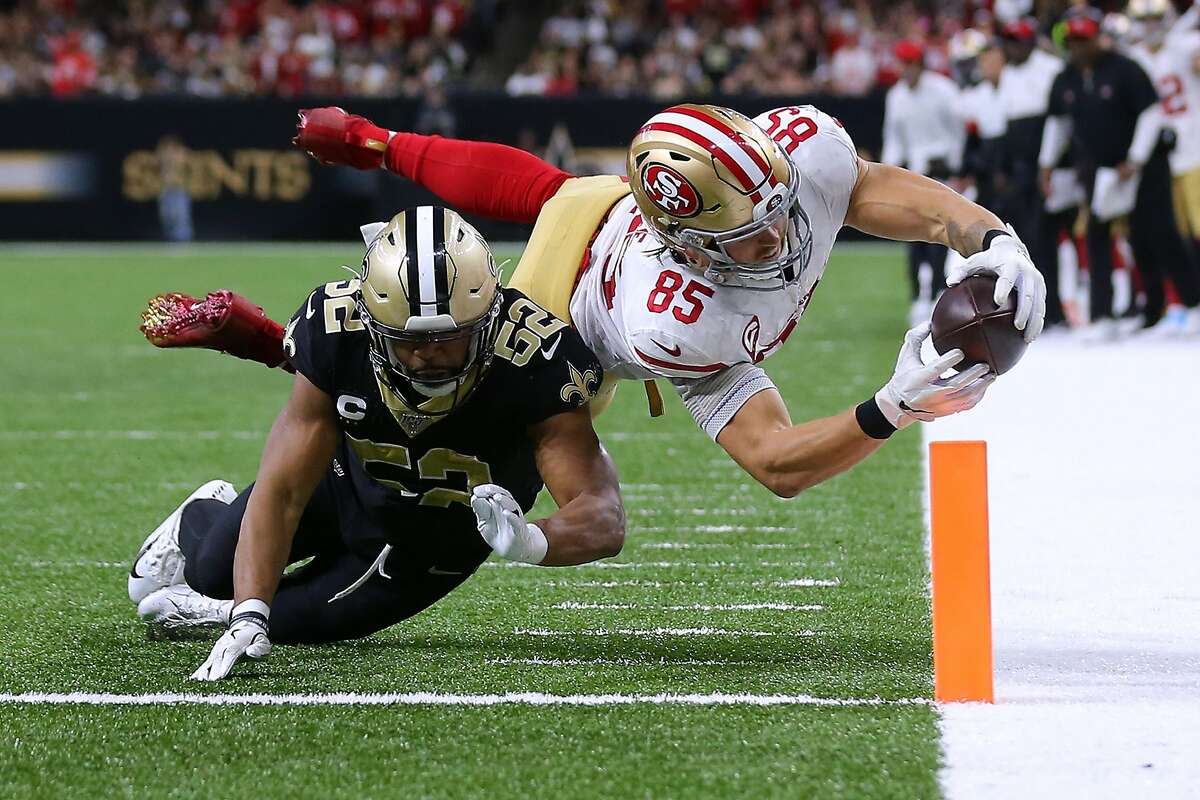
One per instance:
[(428, 276), (706, 177)]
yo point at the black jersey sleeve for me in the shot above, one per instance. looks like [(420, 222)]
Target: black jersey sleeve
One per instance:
[(1057, 106), (1141, 91), (554, 369), (567, 380), (308, 341)]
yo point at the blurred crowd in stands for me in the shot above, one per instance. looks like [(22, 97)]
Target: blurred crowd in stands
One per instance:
[(696, 47), (211, 48), (666, 48)]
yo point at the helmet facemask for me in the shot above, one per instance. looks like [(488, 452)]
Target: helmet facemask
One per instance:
[(777, 272), (444, 394), (707, 179), (428, 277)]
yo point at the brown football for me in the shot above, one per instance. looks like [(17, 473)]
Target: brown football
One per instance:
[(966, 318)]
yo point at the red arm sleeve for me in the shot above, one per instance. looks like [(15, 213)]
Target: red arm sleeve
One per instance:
[(492, 180)]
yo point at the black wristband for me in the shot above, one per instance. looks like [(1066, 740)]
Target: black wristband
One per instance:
[(872, 421), (254, 615), (992, 234)]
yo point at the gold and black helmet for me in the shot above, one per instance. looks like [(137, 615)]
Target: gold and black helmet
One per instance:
[(428, 276)]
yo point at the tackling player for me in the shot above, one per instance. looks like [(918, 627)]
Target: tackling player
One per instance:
[(699, 265), (424, 392)]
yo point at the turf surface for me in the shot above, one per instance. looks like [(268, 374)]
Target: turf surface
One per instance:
[(103, 435)]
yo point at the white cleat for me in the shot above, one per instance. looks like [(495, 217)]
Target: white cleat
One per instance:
[(1190, 324), (160, 561), (1102, 331), (177, 607)]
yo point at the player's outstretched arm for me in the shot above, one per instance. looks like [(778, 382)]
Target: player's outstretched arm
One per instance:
[(590, 521), (492, 180), (787, 458), (297, 452), (897, 204)]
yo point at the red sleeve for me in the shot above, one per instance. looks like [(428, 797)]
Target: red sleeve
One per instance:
[(492, 180)]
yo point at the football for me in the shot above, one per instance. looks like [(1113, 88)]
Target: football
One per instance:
[(966, 318)]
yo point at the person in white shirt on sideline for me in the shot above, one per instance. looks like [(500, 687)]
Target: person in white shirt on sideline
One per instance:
[(923, 131), (1024, 96)]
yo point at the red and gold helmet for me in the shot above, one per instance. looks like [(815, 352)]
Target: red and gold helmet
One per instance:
[(706, 177)]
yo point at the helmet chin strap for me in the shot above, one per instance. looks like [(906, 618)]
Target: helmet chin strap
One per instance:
[(435, 389)]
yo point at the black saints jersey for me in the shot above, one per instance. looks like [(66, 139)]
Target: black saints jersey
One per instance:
[(401, 463)]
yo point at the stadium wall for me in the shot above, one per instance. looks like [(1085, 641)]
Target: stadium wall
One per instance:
[(89, 169)]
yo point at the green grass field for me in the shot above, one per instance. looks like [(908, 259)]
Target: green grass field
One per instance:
[(103, 435)]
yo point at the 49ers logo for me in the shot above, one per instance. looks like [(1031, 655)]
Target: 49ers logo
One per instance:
[(670, 191)]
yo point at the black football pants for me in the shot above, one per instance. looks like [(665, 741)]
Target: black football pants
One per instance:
[(1157, 246), (304, 609), (935, 256), (1039, 231)]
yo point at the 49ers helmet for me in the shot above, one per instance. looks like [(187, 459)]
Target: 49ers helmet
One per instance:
[(428, 276), (706, 177)]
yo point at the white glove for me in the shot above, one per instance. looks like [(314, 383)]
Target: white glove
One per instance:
[(502, 525), (1008, 259), (246, 636), (917, 392)]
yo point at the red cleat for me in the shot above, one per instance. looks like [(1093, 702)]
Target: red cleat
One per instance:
[(221, 321)]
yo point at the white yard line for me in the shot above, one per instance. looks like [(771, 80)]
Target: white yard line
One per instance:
[(43, 564), (572, 605), (794, 582), (713, 546), (653, 632), (617, 662), (665, 564), (133, 435), (439, 699), (715, 529), (1095, 555)]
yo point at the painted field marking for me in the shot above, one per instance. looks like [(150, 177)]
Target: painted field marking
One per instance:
[(651, 632), (134, 435), (439, 699), (715, 529), (664, 564), (795, 582), (712, 546), (616, 662), (571, 605)]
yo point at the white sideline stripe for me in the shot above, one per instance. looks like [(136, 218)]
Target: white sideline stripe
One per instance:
[(571, 605), (655, 632), (439, 699)]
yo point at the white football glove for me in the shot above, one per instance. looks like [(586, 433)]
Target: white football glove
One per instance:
[(1008, 259), (502, 525), (918, 392), (246, 636)]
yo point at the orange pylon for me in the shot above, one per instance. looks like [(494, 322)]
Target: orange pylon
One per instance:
[(962, 604)]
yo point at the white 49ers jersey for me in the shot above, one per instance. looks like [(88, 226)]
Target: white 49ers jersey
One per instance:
[(647, 315), (1171, 68)]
